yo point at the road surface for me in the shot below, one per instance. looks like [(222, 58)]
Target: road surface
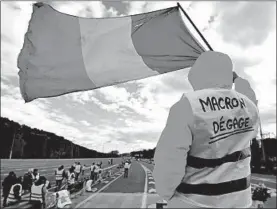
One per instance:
[(136, 191)]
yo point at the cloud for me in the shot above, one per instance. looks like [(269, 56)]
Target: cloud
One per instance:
[(87, 9), (119, 9), (255, 18), (85, 123), (131, 116)]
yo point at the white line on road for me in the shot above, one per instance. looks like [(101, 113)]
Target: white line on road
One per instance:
[(144, 196), (93, 195)]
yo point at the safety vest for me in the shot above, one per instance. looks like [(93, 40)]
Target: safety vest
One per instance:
[(96, 169), (11, 196), (63, 199), (59, 174), (71, 178), (92, 168), (78, 168), (36, 193), (218, 163)]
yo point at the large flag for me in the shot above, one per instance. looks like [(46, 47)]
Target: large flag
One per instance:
[(63, 53)]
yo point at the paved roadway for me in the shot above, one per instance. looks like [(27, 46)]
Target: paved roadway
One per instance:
[(137, 191)]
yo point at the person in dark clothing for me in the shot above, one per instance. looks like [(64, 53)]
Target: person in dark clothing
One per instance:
[(27, 181), (7, 184), (15, 193), (35, 175)]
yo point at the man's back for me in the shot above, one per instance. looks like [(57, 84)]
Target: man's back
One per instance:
[(221, 116), (97, 169), (78, 168), (126, 165), (218, 163)]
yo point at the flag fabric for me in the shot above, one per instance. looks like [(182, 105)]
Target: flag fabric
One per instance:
[(64, 53)]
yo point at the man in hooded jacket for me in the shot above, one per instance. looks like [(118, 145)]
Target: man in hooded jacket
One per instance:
[(206, 141)]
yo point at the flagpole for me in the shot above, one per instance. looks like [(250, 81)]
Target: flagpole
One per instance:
[(187, 16)]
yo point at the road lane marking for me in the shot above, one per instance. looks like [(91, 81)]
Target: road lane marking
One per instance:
[(144, 196), (96, 193)]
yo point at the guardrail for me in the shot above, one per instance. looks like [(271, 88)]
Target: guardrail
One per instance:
[(51, 195)]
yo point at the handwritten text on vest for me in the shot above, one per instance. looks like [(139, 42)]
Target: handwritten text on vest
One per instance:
[(220, 125), (220, 103)]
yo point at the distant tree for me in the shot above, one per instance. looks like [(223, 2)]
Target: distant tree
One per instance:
[(114, 153), (33, 143)]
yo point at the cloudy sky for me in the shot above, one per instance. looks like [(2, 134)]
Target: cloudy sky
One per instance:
[(131, 116)]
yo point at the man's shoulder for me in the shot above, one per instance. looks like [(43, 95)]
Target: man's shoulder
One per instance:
[(182, 105)]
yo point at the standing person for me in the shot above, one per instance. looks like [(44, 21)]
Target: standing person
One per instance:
[(71, 179), (59, 174), (78, 170), (205, 144), (92, 173), (35, 175), (7, 183), (96, 172), (100, 164), (74, 165), (28, 180), (38, 194), (126, 169)]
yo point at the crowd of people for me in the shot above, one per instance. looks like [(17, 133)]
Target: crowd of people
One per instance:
[(66, 179), (14, 187), (37, 185)]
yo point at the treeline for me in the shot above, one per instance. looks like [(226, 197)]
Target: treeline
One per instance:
[(263, 154), (33, 143), (146, 153)]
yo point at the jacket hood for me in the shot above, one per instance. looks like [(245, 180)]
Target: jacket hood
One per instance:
[(211, 70)]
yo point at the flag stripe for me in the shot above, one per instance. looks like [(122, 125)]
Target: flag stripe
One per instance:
[(163, 41), (108, 51), (63, 53), (51, 61)]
